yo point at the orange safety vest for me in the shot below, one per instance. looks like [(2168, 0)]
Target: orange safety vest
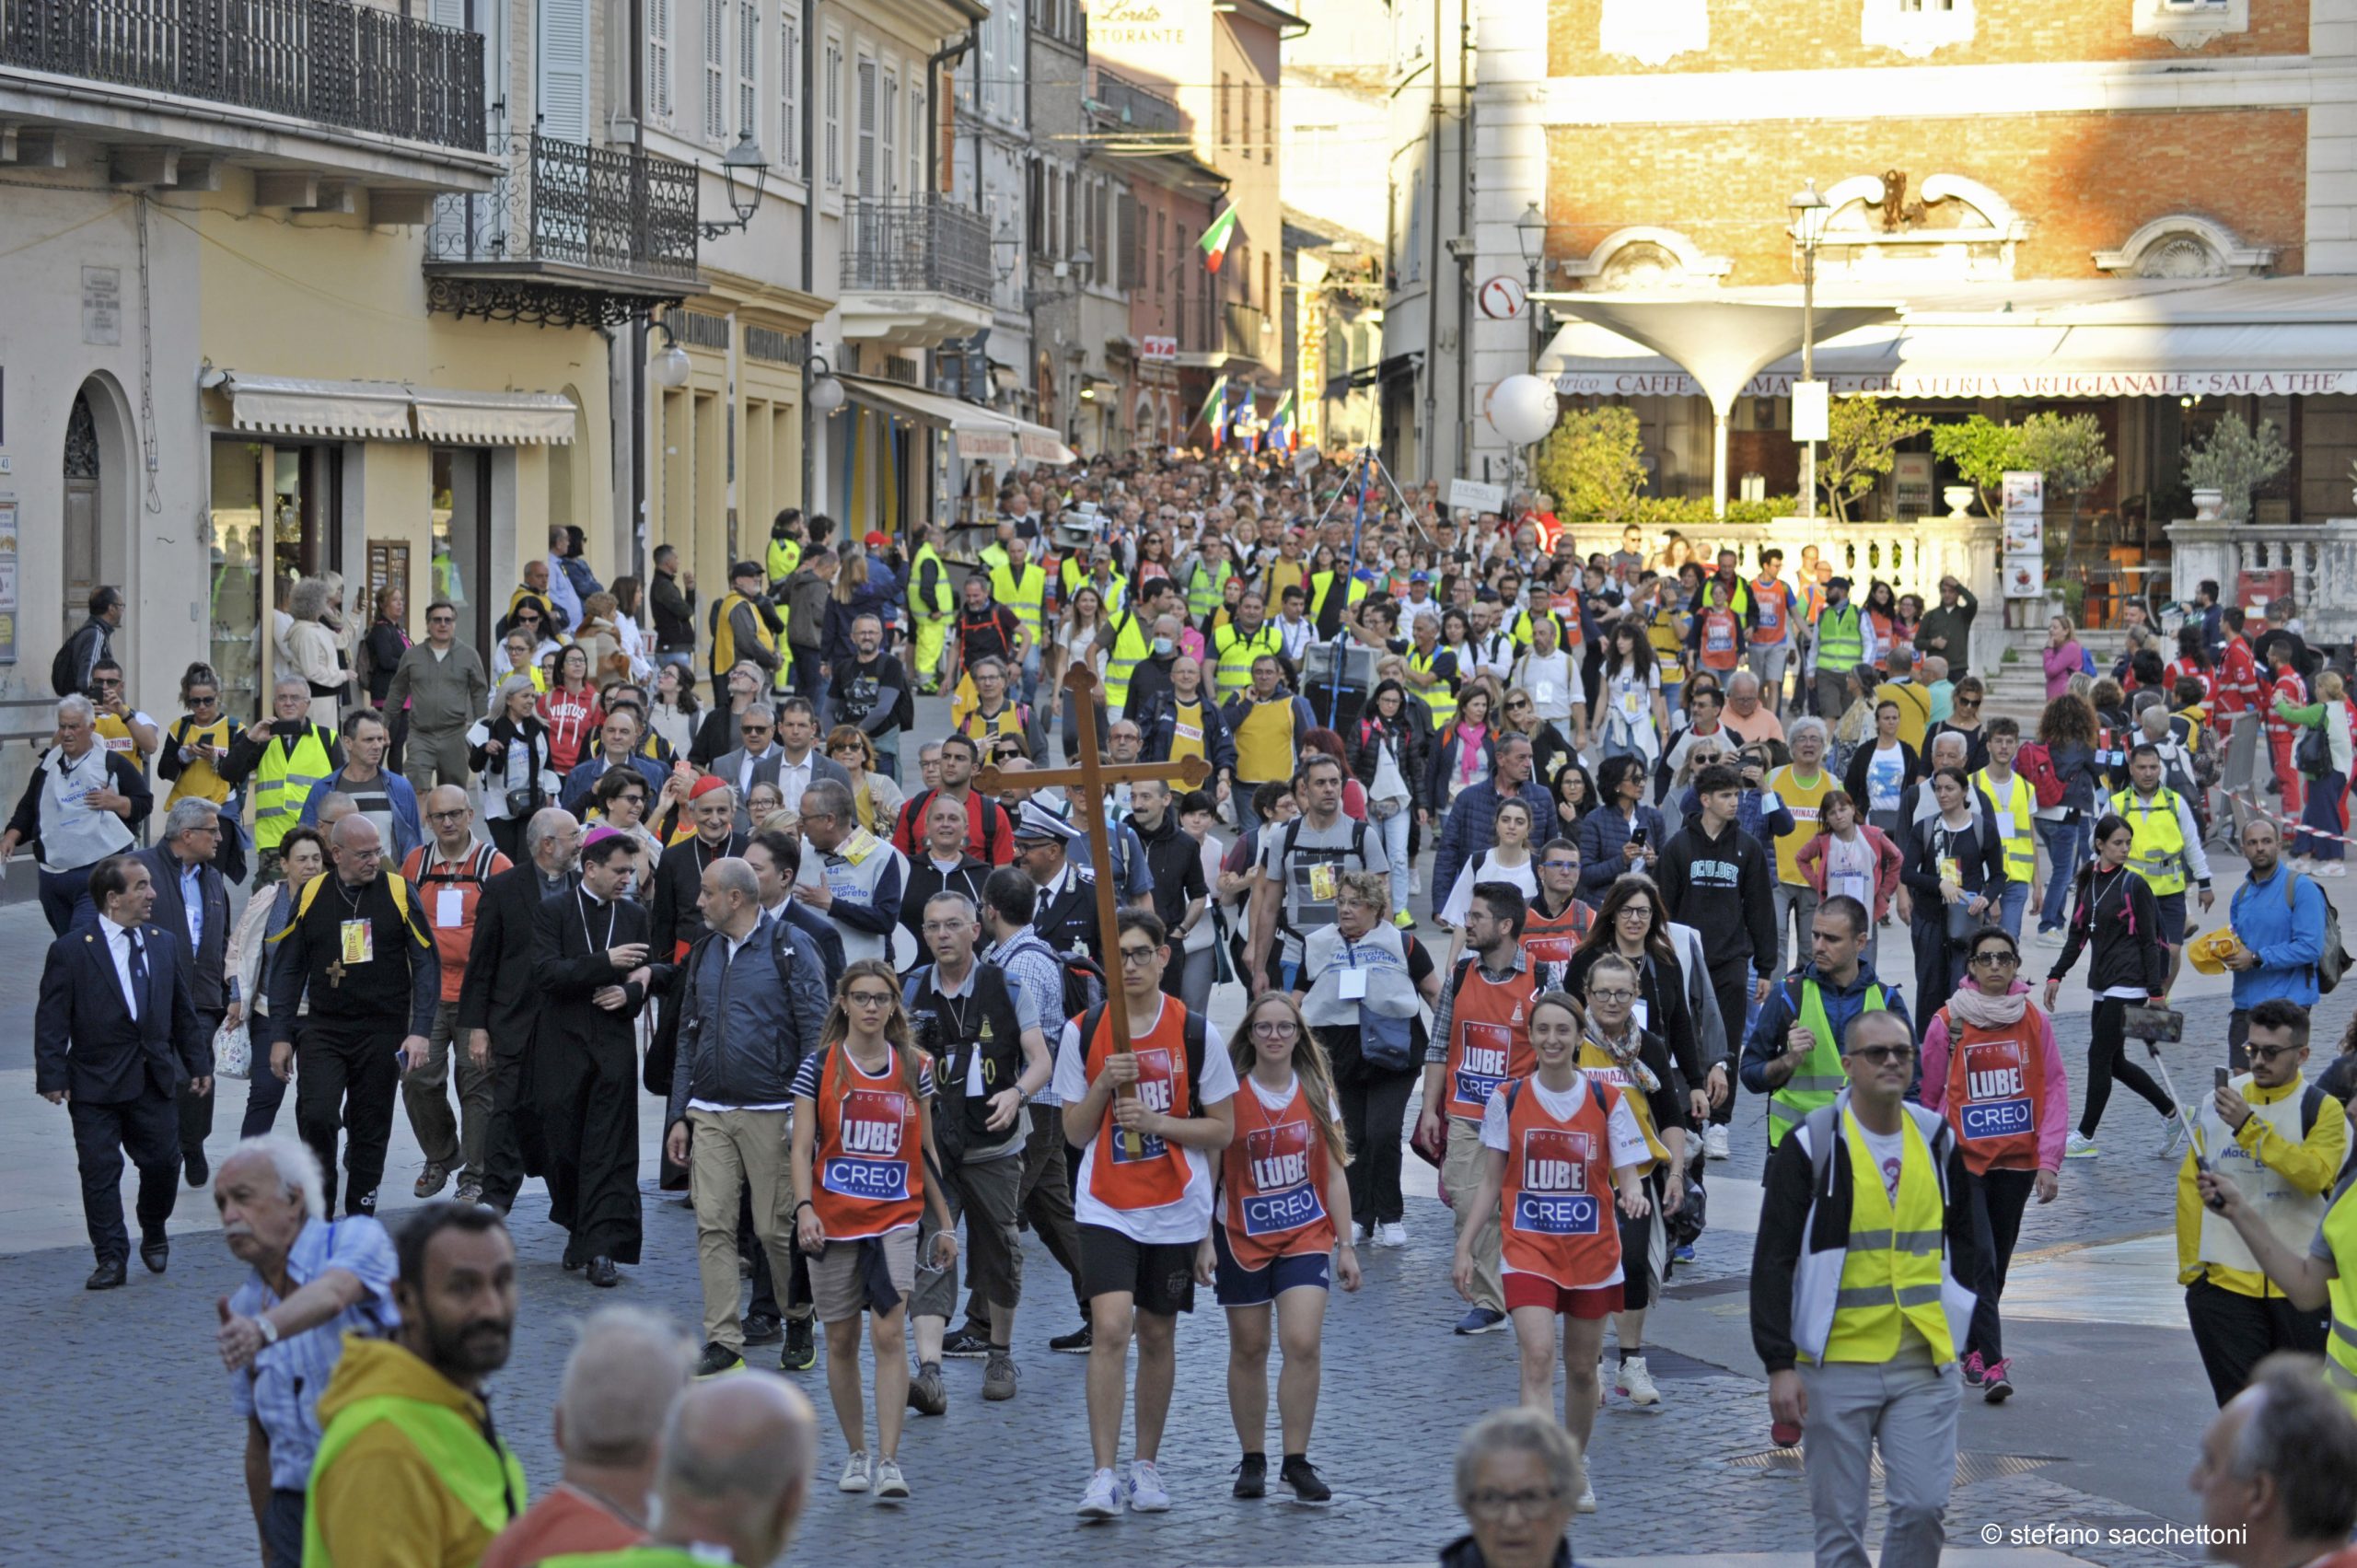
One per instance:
[(1274, 1177), (1996, 1078), (1768, 595), (1553, 940), (871, 1165), (1488, 1036), (1156, 1175), (452, 941), (1718, 639), (1558, 1216)]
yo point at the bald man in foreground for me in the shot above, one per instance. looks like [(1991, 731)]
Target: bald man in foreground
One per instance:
[(735, 1474), (626, 1371)]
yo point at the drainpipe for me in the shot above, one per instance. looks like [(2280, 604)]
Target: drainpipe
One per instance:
[(640, 434), (809, 244), (1432, 269)]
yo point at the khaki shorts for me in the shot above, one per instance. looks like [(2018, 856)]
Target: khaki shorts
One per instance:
[(838, 1286)]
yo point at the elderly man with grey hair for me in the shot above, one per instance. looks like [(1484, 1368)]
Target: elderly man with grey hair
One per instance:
[(2277, 1472), (1517, 1482), (78, 807), (309, 1284), (193, 904), (1750, 721), (626, 1370), (734, 1475), (848, 874)]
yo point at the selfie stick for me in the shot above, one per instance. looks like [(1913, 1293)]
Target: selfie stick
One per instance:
[(2192, 1133)]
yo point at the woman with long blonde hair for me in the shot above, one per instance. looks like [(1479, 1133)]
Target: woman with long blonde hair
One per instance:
[(1282, 1214), (862, 1138)]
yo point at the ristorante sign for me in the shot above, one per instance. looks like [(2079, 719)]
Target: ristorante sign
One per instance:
[(1965, 385), (1139, 22)]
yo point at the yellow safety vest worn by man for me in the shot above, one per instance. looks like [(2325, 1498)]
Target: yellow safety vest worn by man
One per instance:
[(1022, 587), (410, 1471), (1440, 697), (1821, 1076), (932, 609), (785, 556), (1235, 650), (1841, 637), (2335, 1242), (1894, 1283), (1132, 643), (2159, 851), (2014, 806), (724, 633), (283, 780), (1205, 588)]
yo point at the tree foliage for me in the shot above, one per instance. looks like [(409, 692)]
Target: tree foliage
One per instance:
[(2236, 461), (1980, 449), (1593, 463), (1863, 439)]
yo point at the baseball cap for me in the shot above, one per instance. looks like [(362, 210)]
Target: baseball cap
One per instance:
[(876, 541), (746, 569)]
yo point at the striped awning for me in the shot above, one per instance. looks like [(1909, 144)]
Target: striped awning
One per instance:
[(395, 411)]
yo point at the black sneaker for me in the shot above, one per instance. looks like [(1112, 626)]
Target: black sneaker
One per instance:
[(717, 1359), (1302, 1476), (1077, 1342), (1252, 1476), (968, 1344), (801, 1348), (763, 1329)]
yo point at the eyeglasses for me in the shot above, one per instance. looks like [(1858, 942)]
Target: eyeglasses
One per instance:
[(1275, 1028), (1492, 1505), (1615, 994), (1138, 955), (1559, 866), (868, 998), (456, 814), (630, 797), (946, 927), (1996, 960), (1884, 1055), (441, 620)]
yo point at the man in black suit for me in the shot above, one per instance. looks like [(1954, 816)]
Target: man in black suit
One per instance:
[(590, 964), (1066, 918), (678, 918), (500, 1001), (115, 1036), (192, 904)]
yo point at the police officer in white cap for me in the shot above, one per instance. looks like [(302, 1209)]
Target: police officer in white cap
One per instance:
[(1066, 916)]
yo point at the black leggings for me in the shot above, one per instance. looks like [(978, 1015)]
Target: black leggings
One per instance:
[(1374, 1110), (2107, 1059), (1998, 1198)]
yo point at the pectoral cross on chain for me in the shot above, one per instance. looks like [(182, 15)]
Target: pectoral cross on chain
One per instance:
[(1086, 787), (335, 973)]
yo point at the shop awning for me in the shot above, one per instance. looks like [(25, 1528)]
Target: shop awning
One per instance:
[(280, 405), (393, 411), (493, 419), (2096, 339), (983, 435)]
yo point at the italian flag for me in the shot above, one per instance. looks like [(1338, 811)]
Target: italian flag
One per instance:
[(1216, 399), (1214, 242)]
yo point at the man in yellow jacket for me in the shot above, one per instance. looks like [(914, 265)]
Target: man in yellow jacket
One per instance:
[(410, 1472), (2280, 1141)]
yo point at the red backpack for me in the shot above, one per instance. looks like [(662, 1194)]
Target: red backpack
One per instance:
[(2035, 764)]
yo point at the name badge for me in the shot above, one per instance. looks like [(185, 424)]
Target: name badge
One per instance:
[(449, 909), (1546, 693), (1321, 880), (1353, 984), (1637, 1014), (359, 941)]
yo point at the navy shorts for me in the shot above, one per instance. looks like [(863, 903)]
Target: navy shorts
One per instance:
[(1235, 1285), (2172, 917)]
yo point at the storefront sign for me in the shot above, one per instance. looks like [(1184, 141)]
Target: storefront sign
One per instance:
[(1157, 351), (7, 579), (1139, 24), (1967, 385), (986, 446), (1812, 411), (2023, 497)]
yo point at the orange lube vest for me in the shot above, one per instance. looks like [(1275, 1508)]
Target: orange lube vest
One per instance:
[(1768, 595), (1553, 939), (1489, 1038), (426, 871), (1156, 1175), (871, 1164), (1996, 1078), (1273, 1180), (1718, 639), (1558, 1194)]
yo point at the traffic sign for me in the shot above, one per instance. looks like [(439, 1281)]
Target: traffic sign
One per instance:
[(1501, 298)]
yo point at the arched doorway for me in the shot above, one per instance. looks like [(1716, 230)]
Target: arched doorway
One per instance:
[(84, 490)]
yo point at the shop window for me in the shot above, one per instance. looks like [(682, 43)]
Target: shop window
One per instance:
[(461, 524), (1916, 27), (276, 512)]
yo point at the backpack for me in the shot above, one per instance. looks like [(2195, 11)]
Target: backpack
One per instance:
[(912, 816), (474, 871), (2313, 755), (2087, 662), (1284, 855), (2036, 763), (2334, 963), (1084, 983), (655, 1072), (1192, 1034)]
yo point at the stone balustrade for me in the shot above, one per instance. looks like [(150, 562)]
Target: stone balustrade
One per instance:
[(2319, 561)]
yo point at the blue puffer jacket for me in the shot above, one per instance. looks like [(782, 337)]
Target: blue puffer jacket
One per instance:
[(1602, 835)]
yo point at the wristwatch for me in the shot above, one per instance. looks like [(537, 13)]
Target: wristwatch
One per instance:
[(266, 1328)]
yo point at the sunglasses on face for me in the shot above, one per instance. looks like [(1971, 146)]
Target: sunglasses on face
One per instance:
[(2270, 1052), (1884, 1055), (1996, 960)]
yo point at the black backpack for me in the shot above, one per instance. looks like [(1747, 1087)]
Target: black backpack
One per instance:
[(1285, 858), (1192, 1033)]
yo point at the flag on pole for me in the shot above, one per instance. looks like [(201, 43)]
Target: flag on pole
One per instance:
[(1281, 420), (1214, 242), (1216, 399)]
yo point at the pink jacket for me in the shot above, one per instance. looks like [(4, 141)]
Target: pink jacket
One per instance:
[(2053, 1112), (2062, 664), (1887, 864)]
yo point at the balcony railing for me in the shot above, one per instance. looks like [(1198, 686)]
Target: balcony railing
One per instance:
[(322, 60), (610, 210), (1244, 323), (1129, 104), (925, 245)]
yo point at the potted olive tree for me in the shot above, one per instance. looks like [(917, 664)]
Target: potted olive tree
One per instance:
[(2224, 470)]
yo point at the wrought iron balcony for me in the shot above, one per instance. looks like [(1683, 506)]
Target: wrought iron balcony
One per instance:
[(1125, 103), (1245, 325), (927, 246), (570, 234), (327, 60)]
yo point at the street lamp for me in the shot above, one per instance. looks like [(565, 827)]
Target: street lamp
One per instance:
[(745, 171), (823, 392), (1808, 210), (1530, 233)]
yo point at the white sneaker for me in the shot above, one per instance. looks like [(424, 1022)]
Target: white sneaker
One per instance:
[(2079, 1148), (1636, 1384), (855, 1475), (1714, 1142), (2176, 1140), (1103, 1498), (1391, 1233), (1147, 1494), (891, 1486), (2333, 868), (2050, 939), (1586, 1503)]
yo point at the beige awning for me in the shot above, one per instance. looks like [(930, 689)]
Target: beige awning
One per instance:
[(493, 419), (279, 405), (983, 435)]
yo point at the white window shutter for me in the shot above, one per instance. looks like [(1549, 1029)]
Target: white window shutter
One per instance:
[(887, 172), (658, 59), (864, 184), (749, 68), (789, 94), (563, 96)]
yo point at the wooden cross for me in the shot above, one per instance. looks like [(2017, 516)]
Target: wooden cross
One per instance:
[(335, 972), (1086, 787)]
